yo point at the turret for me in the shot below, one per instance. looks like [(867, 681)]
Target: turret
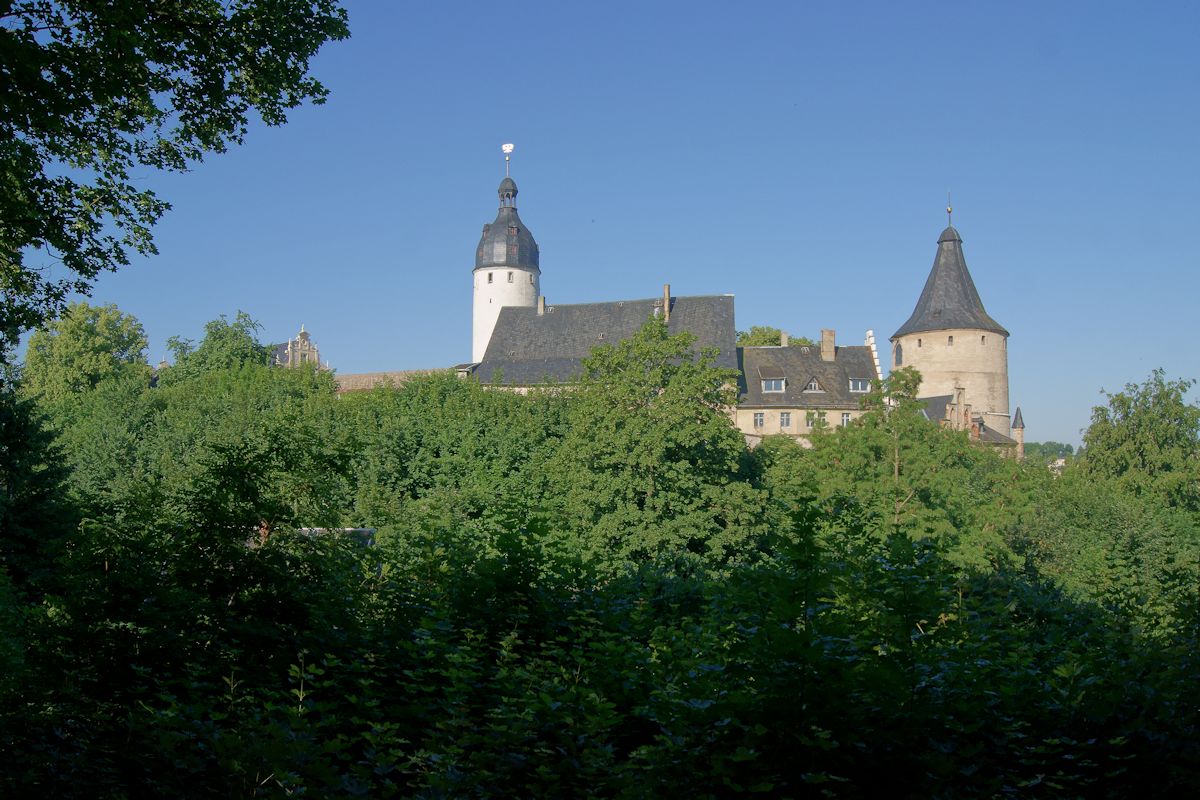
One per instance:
[(952, 341), (1018, 434), (506, 269)]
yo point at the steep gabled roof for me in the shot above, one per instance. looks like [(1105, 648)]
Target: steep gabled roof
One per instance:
[(949, 300), (528, 348), (798, 365)]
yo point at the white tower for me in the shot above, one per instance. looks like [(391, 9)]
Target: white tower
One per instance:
[(506, 267)]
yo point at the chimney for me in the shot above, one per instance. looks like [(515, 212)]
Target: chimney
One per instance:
[(541, 304), (666, 302), (827, 344), (784, 338)]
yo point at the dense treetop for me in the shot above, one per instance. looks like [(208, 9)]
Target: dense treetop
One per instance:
[(598, 591), (94, 91)]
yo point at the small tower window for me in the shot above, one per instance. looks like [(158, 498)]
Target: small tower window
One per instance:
[(531, 277), (983, 340), (512, 230), (918, 342), (489, 277), (510, 277), (950, 341), (899, 355)]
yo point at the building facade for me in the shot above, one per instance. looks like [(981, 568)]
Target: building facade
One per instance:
[(520, 341)]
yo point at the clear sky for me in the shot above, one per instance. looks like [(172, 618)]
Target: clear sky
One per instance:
[(796, 155)]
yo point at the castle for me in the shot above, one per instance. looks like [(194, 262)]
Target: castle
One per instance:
[(520, 341)]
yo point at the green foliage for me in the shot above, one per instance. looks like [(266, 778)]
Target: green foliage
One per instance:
[(1148, 440), (650, 463), (34, 516), (595, 591), (1047, 452), (225, 345), (86, 345), (766, 336), (96, 92)]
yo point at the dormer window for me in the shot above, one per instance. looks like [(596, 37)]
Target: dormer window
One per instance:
[(813, 386), (773, 385), (512, 230), (859, 385)]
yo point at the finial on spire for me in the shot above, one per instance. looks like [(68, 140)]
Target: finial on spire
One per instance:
[(507, 150), (949, 210)]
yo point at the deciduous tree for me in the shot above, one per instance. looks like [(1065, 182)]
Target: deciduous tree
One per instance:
[(1148, 439), (94, 91), (85, 346)]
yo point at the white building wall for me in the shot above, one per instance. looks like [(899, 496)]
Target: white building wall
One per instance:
[(489, 297)]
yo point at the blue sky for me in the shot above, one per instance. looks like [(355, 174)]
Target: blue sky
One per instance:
[(796, 155)]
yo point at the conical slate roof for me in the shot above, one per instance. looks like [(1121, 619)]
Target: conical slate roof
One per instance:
[(949, 299), (1017, 422), (507, 242)]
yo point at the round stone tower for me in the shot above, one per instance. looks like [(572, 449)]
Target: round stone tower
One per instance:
[(953, 343), (506, 269)]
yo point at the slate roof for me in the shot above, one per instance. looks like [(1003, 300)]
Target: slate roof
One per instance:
[(949, 299), (799, 365), (506, 242), (1017, 421), (527, 348), (935, 407)]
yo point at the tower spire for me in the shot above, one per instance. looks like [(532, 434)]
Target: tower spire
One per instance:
[(507, 150), (949, 210)]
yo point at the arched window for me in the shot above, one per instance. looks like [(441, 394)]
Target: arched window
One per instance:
[(898, 355)]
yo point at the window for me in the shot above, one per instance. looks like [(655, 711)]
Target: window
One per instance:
[(949, 341), (531, 277), (859, 385), (510, 277), (512, 230), (845, 418), (813, 386), (983, 340), (918, 342), (758, 419), (772, 384), (898, 356), (489, 277), (785, 419), (815, 419)]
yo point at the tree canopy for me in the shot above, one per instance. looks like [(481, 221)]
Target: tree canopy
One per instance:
[(86, 345), (1147, 439), (766, 336), (94, 91), (596, 590)]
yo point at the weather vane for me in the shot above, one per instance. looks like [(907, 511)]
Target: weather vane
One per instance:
[(949, 210), (507, 150)]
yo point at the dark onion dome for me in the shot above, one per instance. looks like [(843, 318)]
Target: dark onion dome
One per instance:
[(507, 242), (507, 190), (949, 300)]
